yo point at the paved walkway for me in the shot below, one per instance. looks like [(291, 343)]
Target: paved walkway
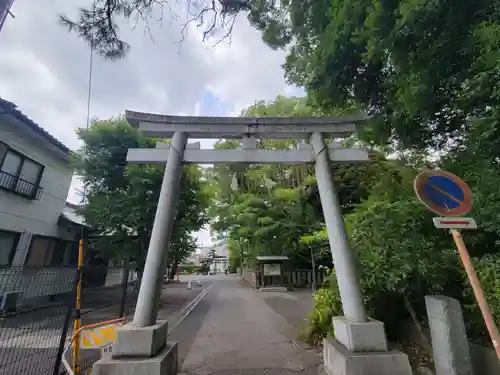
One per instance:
[(295, 306), (243, 335)]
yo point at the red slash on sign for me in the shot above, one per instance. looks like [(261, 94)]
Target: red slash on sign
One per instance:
[(454, 223)]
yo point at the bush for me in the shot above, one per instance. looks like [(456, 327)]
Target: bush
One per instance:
[(488, 271), (326, 305)]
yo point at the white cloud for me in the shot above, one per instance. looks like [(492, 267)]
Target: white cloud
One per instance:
[(44, 70)]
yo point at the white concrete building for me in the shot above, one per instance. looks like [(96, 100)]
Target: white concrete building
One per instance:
[(35, 176), (37, 230)]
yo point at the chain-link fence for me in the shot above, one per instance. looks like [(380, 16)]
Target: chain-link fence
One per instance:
[(35, 315)]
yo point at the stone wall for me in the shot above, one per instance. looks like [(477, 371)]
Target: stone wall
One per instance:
[(249, 276)]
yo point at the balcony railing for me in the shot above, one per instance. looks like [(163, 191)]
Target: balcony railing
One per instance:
[(19, 186)]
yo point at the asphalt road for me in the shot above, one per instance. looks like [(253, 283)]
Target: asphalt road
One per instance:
[(185, 328), (236, 330)]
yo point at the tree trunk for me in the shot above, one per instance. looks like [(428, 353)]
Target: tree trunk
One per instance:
[(173, 271)]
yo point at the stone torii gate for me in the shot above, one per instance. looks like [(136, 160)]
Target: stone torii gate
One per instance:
[(143, 343)]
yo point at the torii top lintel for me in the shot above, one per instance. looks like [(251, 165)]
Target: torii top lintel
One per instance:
[(164, 126)]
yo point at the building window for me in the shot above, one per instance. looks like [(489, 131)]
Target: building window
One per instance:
[(8, 243), (47, 251), (19, 174), (65, 253), (40, 250)]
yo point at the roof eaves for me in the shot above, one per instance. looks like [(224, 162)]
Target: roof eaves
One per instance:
[(11, 108)]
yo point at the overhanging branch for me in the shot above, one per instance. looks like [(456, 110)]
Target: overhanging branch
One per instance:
[(97, 24)]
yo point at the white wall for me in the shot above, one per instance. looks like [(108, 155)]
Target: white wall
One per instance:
[(37, 216)]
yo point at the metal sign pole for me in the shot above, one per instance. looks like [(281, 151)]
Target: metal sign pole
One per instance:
[(478, 290)]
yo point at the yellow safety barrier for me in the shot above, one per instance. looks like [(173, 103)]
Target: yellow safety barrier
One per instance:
[(97, 337), (92, 336)]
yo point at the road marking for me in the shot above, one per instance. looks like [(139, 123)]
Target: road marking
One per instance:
[(190, 307)]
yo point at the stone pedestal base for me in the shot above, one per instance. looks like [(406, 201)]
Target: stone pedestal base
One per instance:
[(340, 361), (140, 341), (163, 363), (360, 337), (140, 351)]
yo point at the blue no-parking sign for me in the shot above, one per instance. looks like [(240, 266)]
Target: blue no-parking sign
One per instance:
[(443, 193)]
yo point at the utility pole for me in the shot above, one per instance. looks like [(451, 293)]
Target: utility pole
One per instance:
[(5, 6)]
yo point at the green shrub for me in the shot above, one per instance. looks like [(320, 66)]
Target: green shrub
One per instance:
[(326, 305), (488, 271)]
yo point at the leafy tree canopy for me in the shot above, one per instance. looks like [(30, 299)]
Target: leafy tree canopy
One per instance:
[(421, 68), (121, 199), (267, 209), (98, 23)]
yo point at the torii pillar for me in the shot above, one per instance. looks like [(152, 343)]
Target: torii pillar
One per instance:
[(360, 344)]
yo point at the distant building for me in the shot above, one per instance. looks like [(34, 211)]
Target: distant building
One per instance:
[(220, 261)]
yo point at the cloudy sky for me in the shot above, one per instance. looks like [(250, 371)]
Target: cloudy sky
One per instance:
[(44, 70)]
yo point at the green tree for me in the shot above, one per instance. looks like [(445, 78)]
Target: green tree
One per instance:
[(421, 68), (267, 209), (121, 199)]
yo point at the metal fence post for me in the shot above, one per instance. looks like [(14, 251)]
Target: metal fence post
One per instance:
[(67, 321)]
